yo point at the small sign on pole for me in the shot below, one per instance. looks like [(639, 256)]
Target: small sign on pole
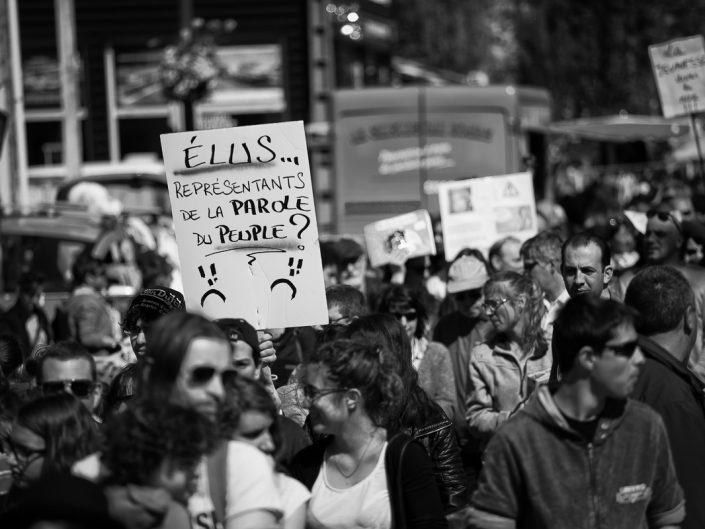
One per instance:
[(397, 239), (679, 69), (245, 224)]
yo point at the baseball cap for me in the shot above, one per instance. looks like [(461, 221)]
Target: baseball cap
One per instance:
[(238, 329), (161, 300), (466, 273)]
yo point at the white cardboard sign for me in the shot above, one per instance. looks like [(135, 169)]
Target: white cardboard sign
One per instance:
[(679, 69), (477, 212), (396, 239), (245, 224)]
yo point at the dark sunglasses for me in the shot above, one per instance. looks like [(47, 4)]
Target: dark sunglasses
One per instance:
[(80, 388), (469, 295), (664, 216), (626, 349), (22, 453), (410, 316), (202, 375)]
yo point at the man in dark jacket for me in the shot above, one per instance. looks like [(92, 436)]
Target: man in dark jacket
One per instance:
[(668, 330)]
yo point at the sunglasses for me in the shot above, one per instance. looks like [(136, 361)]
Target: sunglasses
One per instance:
[(22, 453), (410, 316), (493, 305), (626, 349), (80, 388), (469, 295), (664, 216), (202, 375)]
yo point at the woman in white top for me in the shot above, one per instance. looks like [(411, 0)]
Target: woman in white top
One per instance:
[(362, 475)]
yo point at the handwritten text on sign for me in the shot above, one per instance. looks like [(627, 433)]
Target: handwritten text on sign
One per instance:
[(679, 68), (245, 224)]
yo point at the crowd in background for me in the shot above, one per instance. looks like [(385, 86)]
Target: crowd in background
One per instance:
[(488, 390)]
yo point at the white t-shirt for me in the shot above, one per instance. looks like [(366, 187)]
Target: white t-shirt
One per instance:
[(365, 505), (293, 494), (250, 486)]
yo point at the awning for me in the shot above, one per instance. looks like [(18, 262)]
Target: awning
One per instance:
[(621, 128)]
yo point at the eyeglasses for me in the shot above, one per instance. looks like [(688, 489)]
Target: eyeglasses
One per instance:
[(312, 393), (664, 216), (80, 388), (23, 456), (625, 349), (493, 305), (410, 316), (202, 375)]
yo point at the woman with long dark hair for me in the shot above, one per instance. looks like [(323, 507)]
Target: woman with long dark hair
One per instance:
[(50, 433), (361, 473), (420, 416)]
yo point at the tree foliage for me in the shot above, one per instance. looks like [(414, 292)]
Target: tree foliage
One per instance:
[(591, 55)]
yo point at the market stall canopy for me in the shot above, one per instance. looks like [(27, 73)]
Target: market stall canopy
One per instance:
[(621, 128)]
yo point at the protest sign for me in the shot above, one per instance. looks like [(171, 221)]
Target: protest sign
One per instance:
[(245, 224), (679, 69), (399, 238), (477, 212)]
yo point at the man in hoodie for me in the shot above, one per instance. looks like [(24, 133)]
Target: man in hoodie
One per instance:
[(583, 456)]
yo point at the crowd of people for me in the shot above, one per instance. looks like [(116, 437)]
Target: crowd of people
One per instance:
[(552, 383)]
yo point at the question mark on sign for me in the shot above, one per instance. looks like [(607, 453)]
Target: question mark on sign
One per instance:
[(307, 223)]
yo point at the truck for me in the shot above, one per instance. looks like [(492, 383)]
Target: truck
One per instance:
[(392, 146)]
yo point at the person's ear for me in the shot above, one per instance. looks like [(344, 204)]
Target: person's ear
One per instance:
[(353, 398), (586, 358), (496, 262), (690, 320), (607, 274), (520, 302)]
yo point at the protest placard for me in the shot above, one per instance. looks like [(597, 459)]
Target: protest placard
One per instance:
[(679, 69), (245, 224), (396, 239), (477, 212)]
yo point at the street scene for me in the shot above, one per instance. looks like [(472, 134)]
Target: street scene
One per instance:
[(371, 264)]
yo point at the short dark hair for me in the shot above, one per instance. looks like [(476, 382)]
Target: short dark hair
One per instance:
[(30, 283), (63, 352), (544, 247), (586, 239), (85, 264), (350, 301), (661, 295), (586, 321)]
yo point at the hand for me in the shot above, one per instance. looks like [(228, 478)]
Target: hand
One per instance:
[(267, 352)]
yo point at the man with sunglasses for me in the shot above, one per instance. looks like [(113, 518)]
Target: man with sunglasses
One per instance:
[(68, 367), (667, 327), (583, 455)]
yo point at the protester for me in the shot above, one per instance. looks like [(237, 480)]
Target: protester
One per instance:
[(345, 303), (664, 240), (252, 417), (586, 440), (420, 417), (667, 327), (586, 265), (430, 359), (330, 263), (50, 434), (542, 256), (91, 321), (362, 474), (504, 255), (26, 321), (154, 448), (67, 367), (146, 308), (507, 369), (121, 390)]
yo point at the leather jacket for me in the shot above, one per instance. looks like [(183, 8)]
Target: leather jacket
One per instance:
[(437, 436)]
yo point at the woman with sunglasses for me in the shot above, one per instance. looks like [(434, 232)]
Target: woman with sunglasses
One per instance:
[(420, 416), (188, 362), (430, 359), (49, 435), (362, 473), (505, 370)]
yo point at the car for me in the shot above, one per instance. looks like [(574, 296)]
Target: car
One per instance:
[(139, 185), (48, 243)]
